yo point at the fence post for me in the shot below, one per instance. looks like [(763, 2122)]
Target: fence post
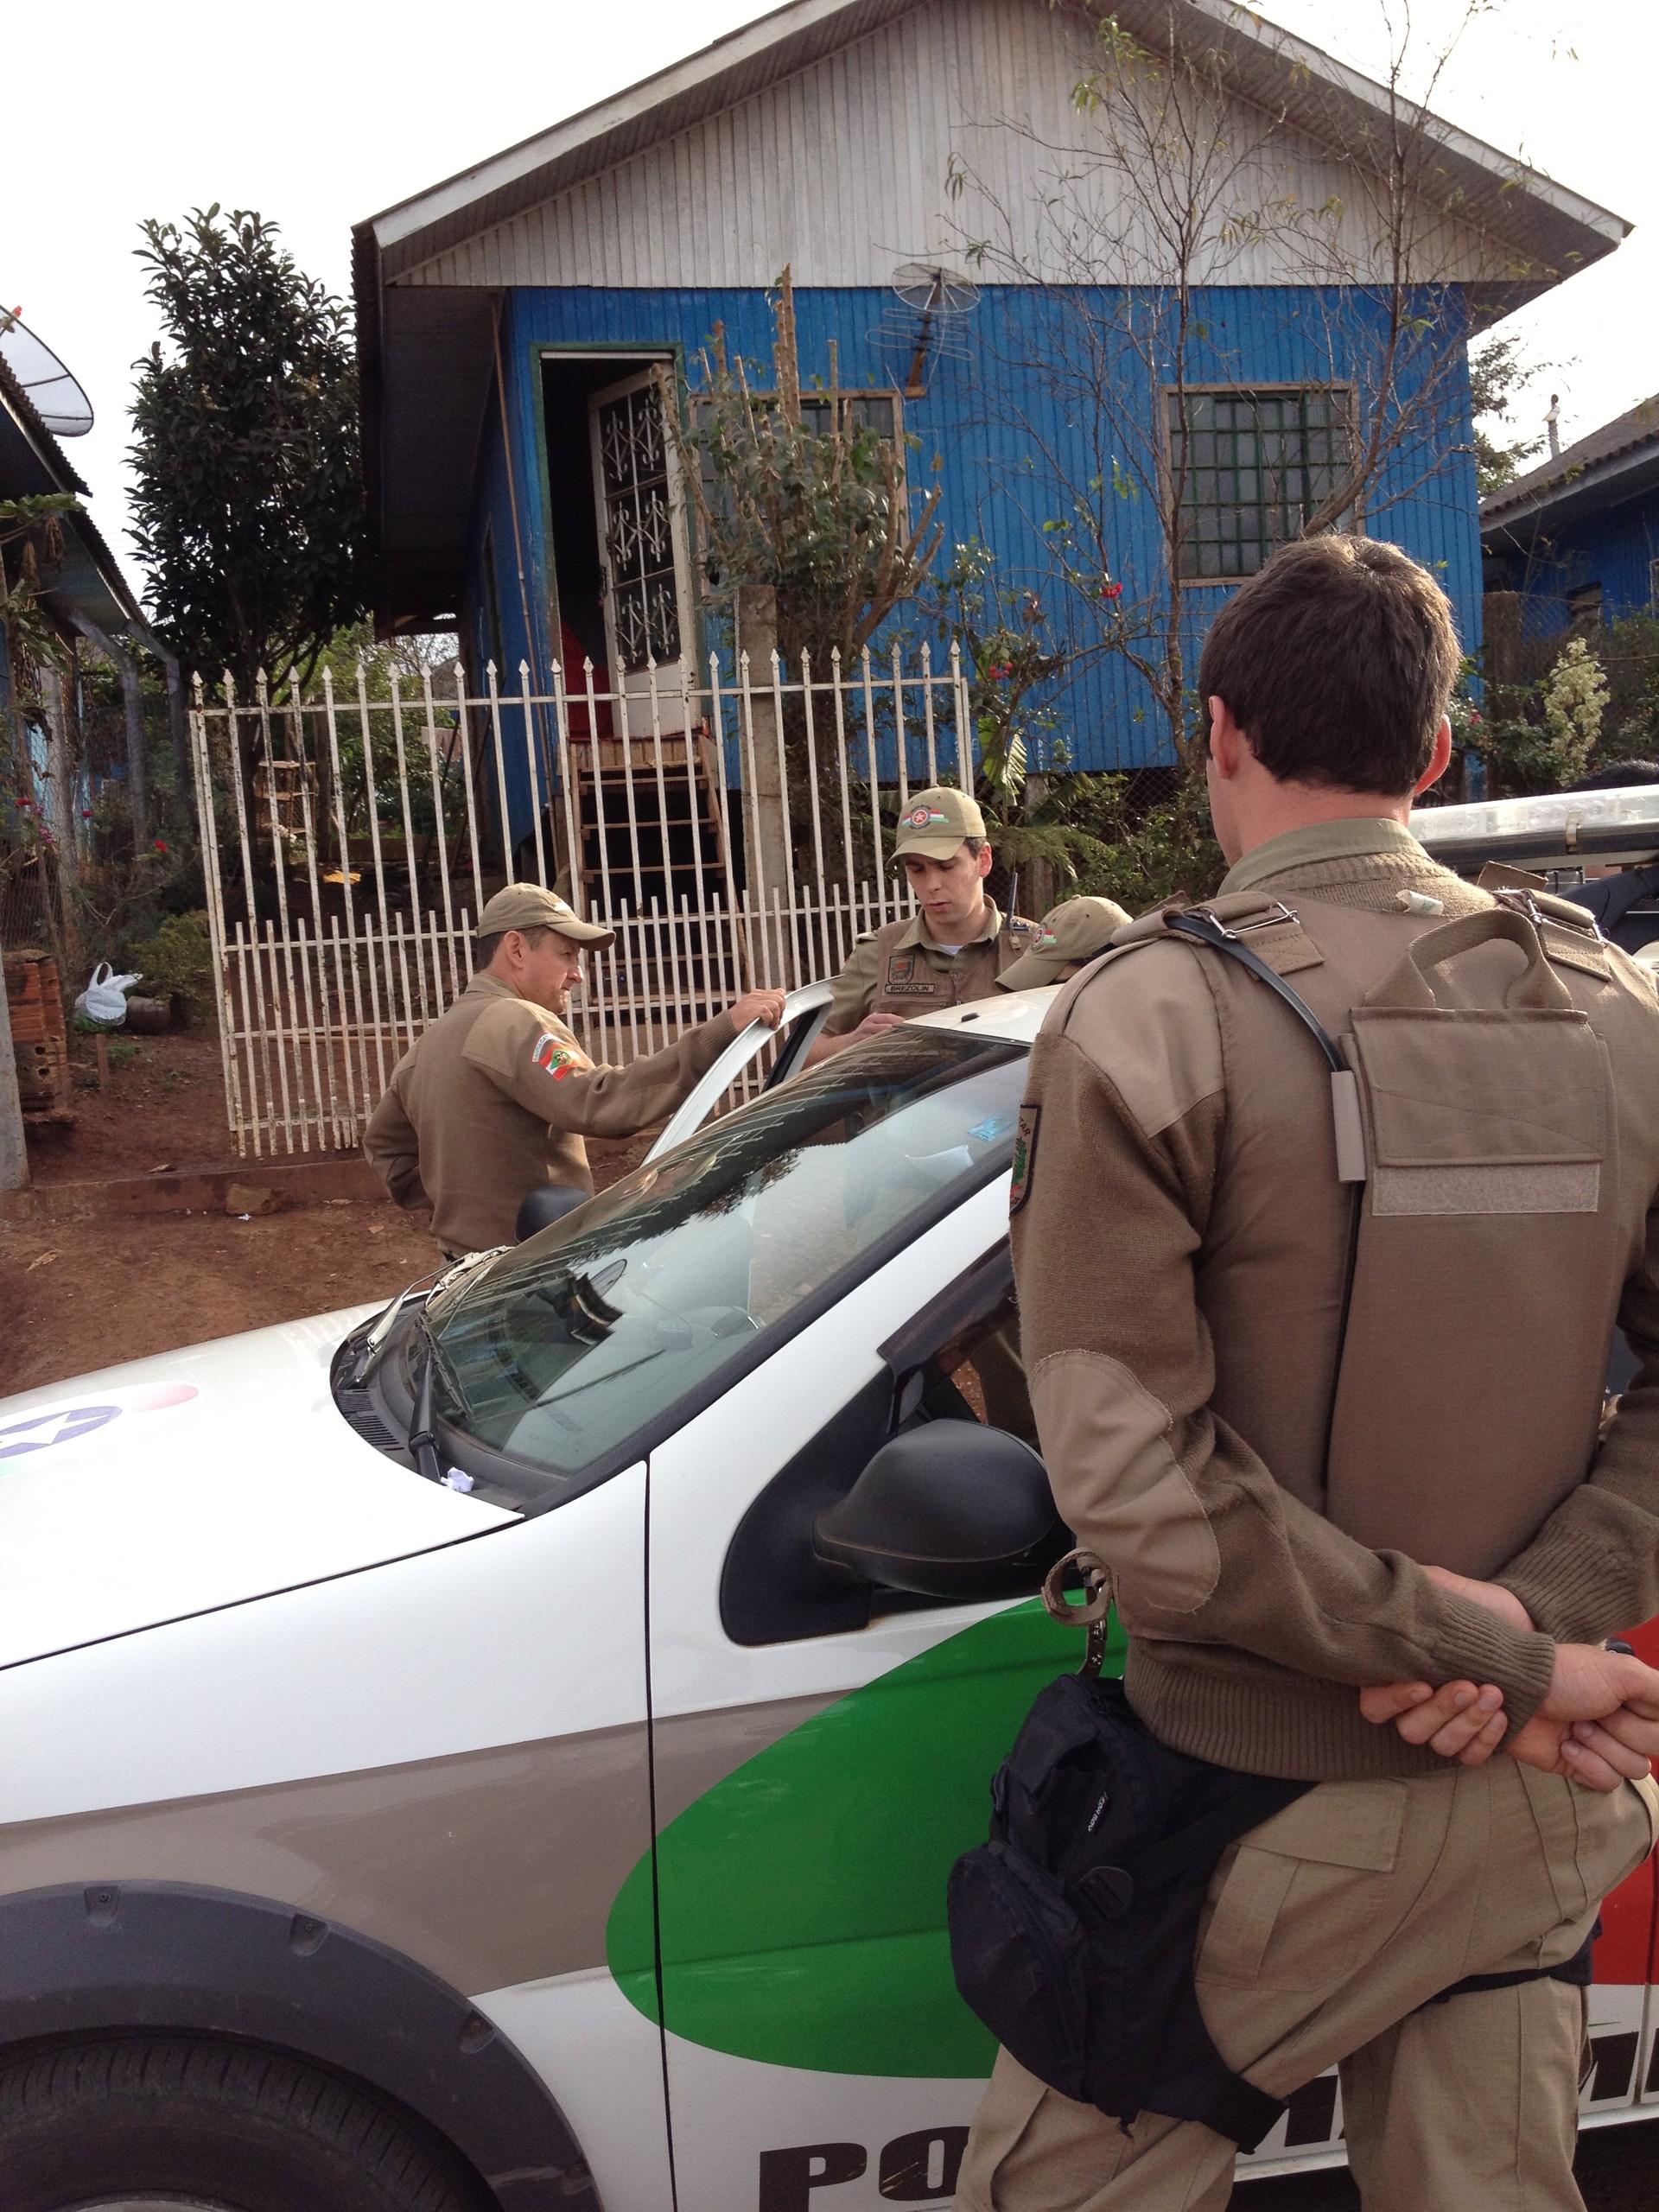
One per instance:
[(14, 1153), (767, 808)]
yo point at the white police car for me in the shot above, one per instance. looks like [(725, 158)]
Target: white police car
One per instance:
[(438, 1770)]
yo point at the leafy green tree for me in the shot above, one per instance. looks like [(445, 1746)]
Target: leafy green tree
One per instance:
[(819, 512), (248, 497), (1496, 373)]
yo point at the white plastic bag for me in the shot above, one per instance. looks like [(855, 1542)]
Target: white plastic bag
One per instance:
[(104, 999)]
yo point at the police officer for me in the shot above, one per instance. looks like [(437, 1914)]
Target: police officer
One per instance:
[(1070, 935), (496, 1096), (953, 949), (1365, 1529)]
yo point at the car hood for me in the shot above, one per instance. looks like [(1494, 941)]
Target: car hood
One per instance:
[(195, 1480)]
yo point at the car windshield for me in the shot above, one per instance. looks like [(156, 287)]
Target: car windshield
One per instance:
[(568, 1351)]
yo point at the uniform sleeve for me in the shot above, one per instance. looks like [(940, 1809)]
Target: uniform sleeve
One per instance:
[(852, 993), (547, 1072), (1593, 1567), (393, 1150), (1203, 1545)]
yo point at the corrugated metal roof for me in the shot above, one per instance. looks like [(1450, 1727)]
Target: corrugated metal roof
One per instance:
[(1576, 467), (33, 463), (1546, 230)]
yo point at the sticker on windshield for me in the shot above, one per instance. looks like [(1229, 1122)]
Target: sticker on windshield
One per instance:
[(1025, 1157), (556, 1058)]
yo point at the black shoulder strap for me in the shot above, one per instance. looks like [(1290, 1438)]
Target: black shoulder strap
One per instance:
[(1199, 923)]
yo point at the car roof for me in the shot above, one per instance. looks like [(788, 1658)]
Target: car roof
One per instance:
[(1555, 829), (1017, 1015)]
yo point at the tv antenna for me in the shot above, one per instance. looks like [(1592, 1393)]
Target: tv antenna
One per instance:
[(937, 296), (56, 396)]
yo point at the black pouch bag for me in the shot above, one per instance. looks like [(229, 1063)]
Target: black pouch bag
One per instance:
[(1073, 1929)]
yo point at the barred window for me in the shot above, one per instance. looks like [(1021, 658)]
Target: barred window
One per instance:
[(1257, 465), (863, 410)]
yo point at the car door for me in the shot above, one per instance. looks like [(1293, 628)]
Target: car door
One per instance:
[(805, 1014), (817, 1768)]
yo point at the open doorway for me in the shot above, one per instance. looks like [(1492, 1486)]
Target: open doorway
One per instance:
[(621, 563)]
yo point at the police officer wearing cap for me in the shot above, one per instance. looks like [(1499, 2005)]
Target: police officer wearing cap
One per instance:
[(1071, 935), (497, 1095), (954, 949)]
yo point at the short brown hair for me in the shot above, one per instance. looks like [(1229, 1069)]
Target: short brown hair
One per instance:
[(1337, 660), (486, 948)]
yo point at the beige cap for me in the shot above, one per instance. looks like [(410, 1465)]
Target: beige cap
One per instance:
[(528, 906), (1075, 931), (935, 821)]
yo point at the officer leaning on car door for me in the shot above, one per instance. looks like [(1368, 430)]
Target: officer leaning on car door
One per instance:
[(494, 1099), (1316, 1335)]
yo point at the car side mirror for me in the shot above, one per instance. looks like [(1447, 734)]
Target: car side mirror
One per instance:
[(948, 1509), (548, 1203)]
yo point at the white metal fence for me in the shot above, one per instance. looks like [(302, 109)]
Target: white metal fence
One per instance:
[(732, 832)]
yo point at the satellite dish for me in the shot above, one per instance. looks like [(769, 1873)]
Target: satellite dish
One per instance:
[(57, 399), (931, 288)]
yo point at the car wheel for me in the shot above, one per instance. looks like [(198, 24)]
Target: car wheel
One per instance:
[(161, 2124)]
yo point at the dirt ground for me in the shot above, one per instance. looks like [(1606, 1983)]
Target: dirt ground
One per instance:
[(165, 1107), (80, 1295)]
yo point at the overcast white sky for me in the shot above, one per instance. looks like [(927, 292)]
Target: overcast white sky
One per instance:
[(322, 111)]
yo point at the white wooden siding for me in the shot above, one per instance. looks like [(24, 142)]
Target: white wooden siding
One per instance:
[(840, 171)]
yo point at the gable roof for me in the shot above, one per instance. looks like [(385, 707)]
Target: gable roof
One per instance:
[(1611, 463), (1548, 229)]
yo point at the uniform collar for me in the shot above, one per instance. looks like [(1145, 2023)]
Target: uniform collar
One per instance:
[(1347, 840), (492, 987), (489, 986), (917, 933)]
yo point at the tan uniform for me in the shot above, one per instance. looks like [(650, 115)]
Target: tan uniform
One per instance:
[(1178, 1239), (899, 970), (496, 1097)]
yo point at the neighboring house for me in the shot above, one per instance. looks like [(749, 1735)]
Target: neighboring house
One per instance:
[(33, 462), (85, 591), (1577, 538), (509, 320)]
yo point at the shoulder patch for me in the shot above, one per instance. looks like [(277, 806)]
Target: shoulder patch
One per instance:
[(557, 1057), (1025, 1156)]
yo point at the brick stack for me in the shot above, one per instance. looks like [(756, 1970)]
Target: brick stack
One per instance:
[(38, 1036)]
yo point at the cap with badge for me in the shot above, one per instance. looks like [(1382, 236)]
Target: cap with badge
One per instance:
[(531, 907), (1073, 931), (932, 823)]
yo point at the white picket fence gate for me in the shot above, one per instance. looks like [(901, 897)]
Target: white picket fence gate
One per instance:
[(348, 843)]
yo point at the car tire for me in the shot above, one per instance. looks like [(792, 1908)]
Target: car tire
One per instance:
[(150, 2123)]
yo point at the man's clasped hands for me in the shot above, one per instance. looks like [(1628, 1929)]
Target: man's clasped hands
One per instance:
[(1599, 1725)]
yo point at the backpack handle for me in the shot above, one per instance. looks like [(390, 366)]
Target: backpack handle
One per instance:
[(1538, 986)]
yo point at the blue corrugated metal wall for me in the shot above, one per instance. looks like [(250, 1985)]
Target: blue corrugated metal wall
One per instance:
[(1007, 415), (1614, 550)]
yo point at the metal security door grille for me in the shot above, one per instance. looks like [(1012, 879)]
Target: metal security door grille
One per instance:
[(348, 842), (638, 525)]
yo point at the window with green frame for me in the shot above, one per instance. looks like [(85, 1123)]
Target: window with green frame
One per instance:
[(1251, 466), (866, 411)]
